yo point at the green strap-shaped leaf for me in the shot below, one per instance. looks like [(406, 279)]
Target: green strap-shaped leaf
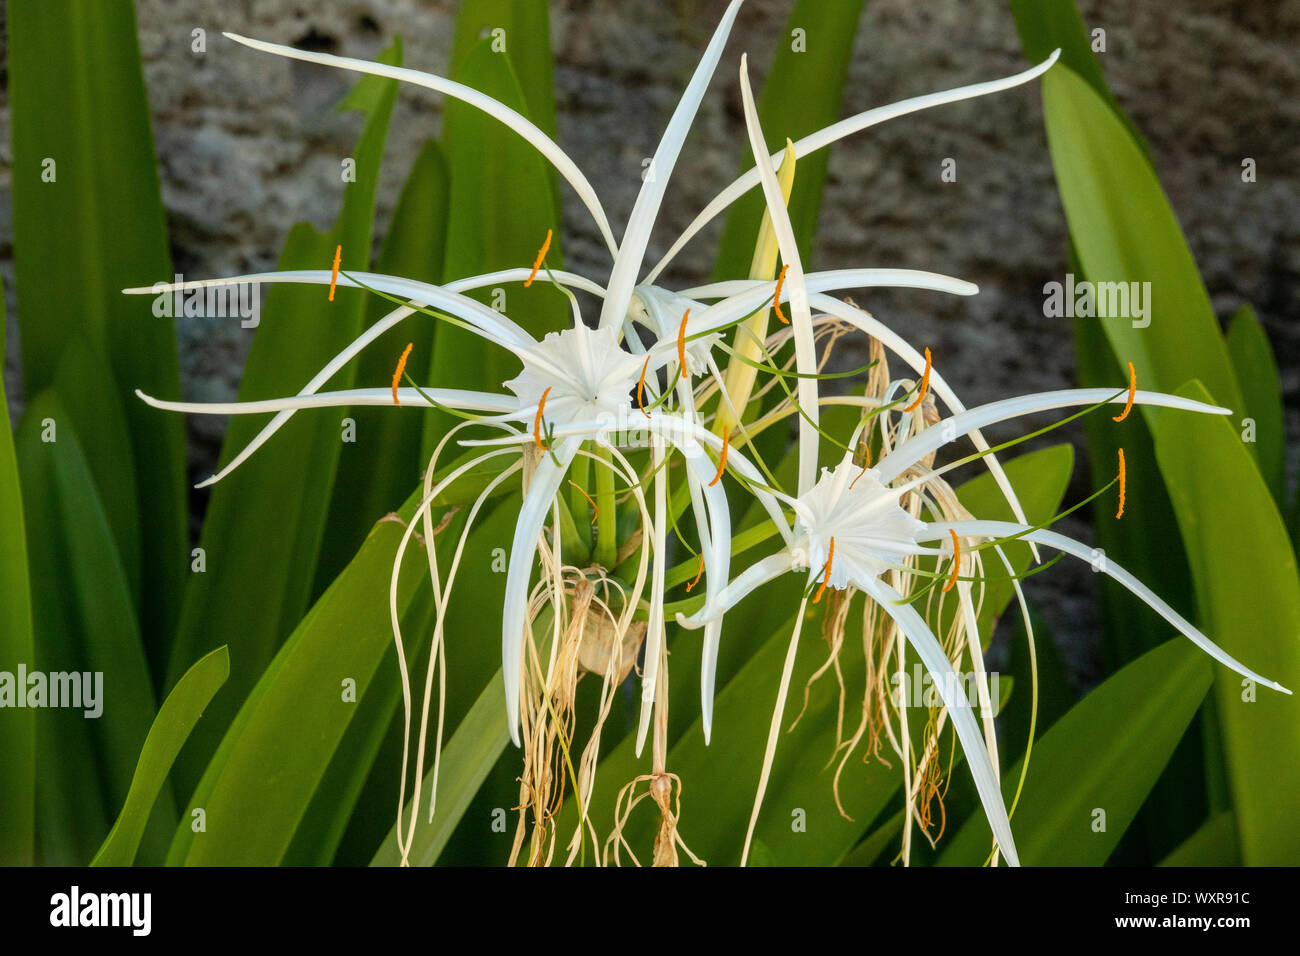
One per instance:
[(1091, 772), (377, 469), (88, 221), (466, 761), (1125, 232), (502, 204), (171, 728), (17, 727), (1214, 844), (266, 521), (1248, 595), (1252, 357), (277, 750), (803, 92), (84, 623)]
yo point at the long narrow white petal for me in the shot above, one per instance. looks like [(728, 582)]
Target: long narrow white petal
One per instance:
[(833, 280), (449, 397), (914, 449), (627, 263), (481, 101), (800, 313), (743, 585), (918, 635), (754, 294), (542, 488), (846, 127), (487, 322), (999, 529)]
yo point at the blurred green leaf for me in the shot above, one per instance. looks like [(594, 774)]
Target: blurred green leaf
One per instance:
[(17, 727), (276, 752), (84, 622), (502, 204), (377, 470), (1125, 231), (266, 521), (803, 92), (1248, 596), (1214, 844), (171, 728), (1257, 371), (88, 221), (1103, 756), (466, 760)]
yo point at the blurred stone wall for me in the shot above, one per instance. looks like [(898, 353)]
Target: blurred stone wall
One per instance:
[(247, 146)]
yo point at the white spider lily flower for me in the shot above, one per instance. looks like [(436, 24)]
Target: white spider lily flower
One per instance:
[(850, 529), (585, 369)]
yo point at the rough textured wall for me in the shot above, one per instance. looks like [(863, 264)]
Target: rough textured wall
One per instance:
[(247, 145)]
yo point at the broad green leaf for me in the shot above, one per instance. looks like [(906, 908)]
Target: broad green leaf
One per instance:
[(1125, 232), (1257, 371), (1214, 844), (17, 727), (1047, 25), (377, 469), (466, 761), (81, 381), (266, 521), (88, 221), (268, 768), (803, 92), (1102, 757), (502, 204), (171, 728), (1248, 596), (521, 30), (84, 622)]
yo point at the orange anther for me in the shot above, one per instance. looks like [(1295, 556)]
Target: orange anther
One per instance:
[(925, 384), (681, 343), (698, 572), (776, 296), (1120, 513), (541, 257), (640, 386), (334, 277), (1132, 393), (537, 422), (826, 571), (956, 561), (401, 367), (722, 461)]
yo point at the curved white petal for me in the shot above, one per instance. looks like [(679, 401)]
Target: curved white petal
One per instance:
[(655, 624), (824, 137), (487, 322), (800, 313), (481, 101), (449, 397), (743, 585), (627, 262), (751, 295), (916, 448), (542, 489), (918, 635), (998, 529)]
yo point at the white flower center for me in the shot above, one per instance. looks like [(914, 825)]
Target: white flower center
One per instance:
[(588, 372), (871, 531)]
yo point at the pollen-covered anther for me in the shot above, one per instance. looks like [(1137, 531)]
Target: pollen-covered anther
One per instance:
[(541, 258)]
